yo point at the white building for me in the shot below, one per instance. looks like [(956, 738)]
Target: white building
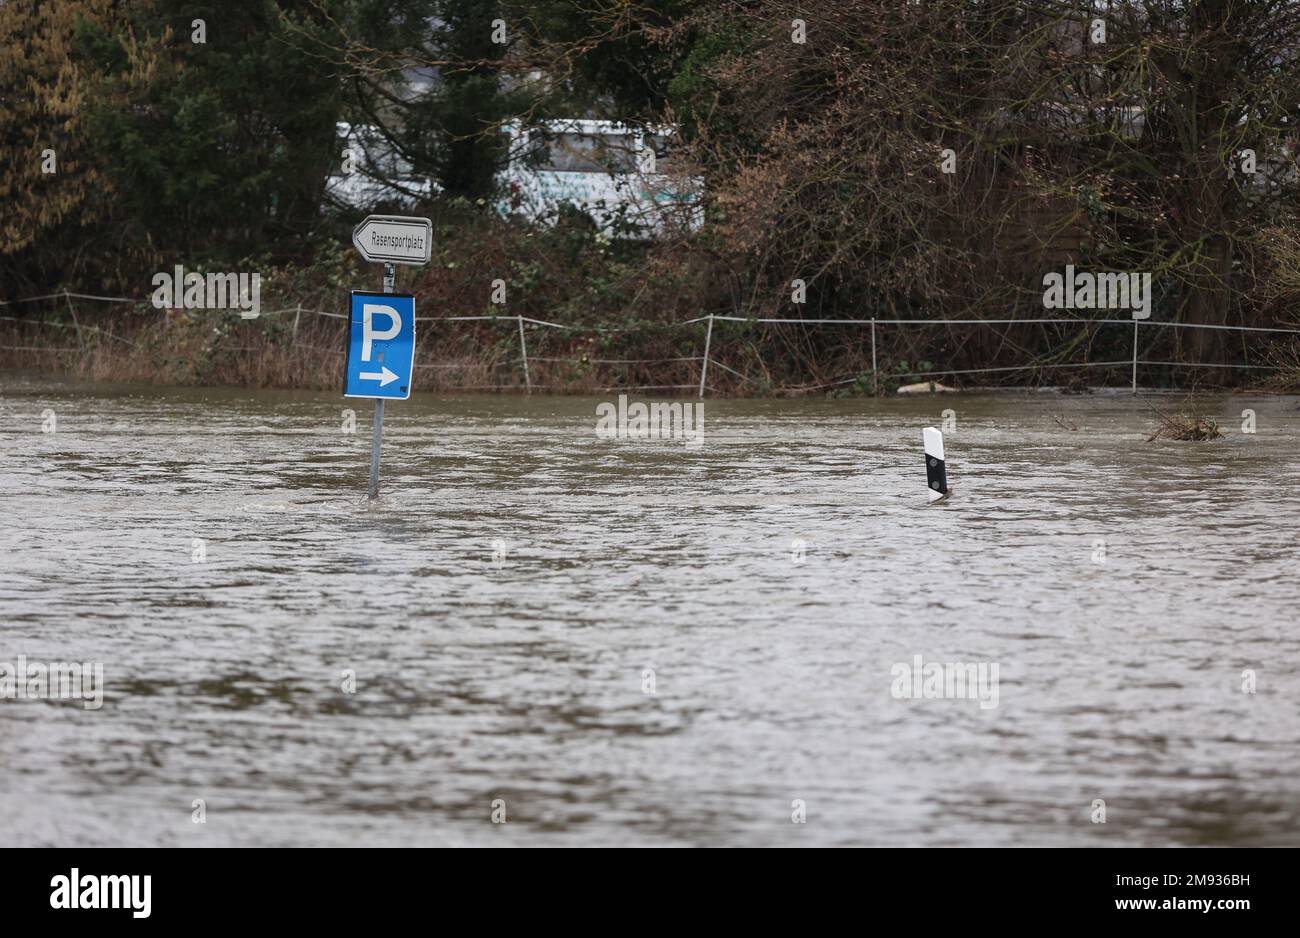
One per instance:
[(622, 177)]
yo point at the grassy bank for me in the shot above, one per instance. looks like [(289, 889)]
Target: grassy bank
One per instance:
[(597, 315), (291, 348)]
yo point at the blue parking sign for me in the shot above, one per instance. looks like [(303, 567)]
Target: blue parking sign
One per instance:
[(381, 345)]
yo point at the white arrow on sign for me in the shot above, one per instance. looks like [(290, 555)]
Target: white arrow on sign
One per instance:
[(384, 377), (394, 239)]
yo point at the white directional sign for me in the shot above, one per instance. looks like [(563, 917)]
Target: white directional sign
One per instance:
[(394, 239)]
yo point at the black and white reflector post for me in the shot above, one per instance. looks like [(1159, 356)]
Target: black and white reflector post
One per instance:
[(936, 476)]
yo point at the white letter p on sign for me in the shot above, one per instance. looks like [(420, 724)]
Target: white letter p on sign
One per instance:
[(368, 333)]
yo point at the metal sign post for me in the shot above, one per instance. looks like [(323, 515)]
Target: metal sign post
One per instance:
[(377, 438), (374, 351)]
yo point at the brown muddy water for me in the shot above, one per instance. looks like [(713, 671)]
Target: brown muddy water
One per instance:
[(502, 604)]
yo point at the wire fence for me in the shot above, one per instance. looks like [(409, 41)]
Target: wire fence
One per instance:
[(707, 323)]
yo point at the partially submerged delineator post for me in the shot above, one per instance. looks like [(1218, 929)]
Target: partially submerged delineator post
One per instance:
[(936, 473)]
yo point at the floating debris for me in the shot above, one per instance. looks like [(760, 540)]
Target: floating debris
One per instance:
[(926, 387), (1195, 427)]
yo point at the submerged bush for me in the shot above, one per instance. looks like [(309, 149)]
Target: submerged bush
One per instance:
[(1194, 427)]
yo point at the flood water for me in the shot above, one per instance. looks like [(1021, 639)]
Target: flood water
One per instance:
[(501, 605)]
